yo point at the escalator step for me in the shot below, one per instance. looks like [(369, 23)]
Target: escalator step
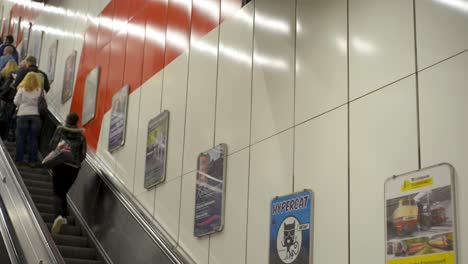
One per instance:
[(38, 184), (48, 217), (36, 176), (82, 261), (40, 191), (73, 241), (45, 208), (27, 169), (42, 199), (67, 229), (77, 252)]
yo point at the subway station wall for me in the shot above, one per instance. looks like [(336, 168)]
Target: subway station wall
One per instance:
[(329, 95)]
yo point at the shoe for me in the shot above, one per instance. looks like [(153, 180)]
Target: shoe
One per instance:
[(58, 223)]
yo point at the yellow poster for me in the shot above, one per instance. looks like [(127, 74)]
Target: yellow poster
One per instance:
[(444, 258), (420, 218)]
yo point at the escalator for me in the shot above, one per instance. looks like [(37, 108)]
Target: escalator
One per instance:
[(72, 243), (107, 224)]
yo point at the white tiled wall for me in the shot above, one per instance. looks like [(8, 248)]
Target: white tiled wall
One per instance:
[(444, 130), (321, 164), (275, 76), (381, 43), (273, 68), (235, 80), (271, 171), (321, 57), (201, 98), (383, 142)]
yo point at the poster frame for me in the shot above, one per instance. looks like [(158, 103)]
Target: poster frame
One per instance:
[(40, 41), (126, 91), (63, 97), (16, 31), (159, 120), (311, 224), (452, 197), (88, 118), (223, 200), (25, 42), (51, 74)]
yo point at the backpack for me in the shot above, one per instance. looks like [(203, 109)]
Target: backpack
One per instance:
[(7, 91)]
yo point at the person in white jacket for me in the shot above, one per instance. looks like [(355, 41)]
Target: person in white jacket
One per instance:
[(28, 122)]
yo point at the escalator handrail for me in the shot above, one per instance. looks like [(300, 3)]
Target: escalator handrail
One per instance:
[(10, 239), (39, 224), (155, 230)]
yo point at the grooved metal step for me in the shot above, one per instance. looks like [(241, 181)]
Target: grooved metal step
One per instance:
[(73, 241), (72, 244)]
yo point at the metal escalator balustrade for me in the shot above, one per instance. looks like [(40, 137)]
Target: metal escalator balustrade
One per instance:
[(73, 245)]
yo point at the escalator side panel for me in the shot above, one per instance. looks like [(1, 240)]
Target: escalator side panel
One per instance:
[(120, 235), (25, 226)]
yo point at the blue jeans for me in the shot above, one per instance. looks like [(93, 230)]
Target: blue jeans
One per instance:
[(28, 128)]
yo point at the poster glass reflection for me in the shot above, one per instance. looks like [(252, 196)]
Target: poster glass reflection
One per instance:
[(68, 77), (90, 96), (118, 119), (210, 191), (156, 150)]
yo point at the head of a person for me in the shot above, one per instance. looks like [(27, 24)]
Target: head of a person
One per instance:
[(9, 39), (72, 119), (22, 64), (8, 50), (30, 61), (9, 68), (30, 82)]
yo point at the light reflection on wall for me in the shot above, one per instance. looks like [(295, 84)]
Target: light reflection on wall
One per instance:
[(460, 5)]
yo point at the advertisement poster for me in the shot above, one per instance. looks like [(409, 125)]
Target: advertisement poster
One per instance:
[(35, 44), (118, 119), (210, 191), (90, 96), (16, 29), (420, 217), (156, 150), (291, 229), (68, 76), (25, 42), (51, 61)]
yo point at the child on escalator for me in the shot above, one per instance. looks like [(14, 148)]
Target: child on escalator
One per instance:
[(64, 175)]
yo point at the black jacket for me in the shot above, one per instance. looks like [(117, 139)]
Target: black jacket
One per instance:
[(75, 138), (21, 73)]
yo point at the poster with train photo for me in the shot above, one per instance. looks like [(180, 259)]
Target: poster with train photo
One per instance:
[(420, 217)]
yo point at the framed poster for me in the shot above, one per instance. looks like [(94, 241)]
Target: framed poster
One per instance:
[(52, 60), (90, 96), (210, 191), (16, 29), (25, 42), (156, 150), (35, 44), (118, 119), (420, 217), (291, 228), (68, 76)]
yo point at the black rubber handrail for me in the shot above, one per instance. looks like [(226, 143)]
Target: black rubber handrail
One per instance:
[(43, 231), (10, 239)]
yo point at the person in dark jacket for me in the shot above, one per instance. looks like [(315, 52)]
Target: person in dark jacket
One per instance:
[(64, 175), (31, 66), (9, 43)]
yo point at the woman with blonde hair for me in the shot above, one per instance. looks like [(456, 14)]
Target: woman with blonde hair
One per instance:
[(28, 121), (7, 108)]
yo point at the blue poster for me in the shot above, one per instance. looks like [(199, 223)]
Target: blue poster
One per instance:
[(291, 229)]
